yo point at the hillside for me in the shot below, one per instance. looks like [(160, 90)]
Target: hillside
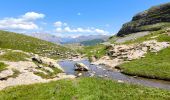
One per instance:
[(92, 42), (151, 27), (153, 19), (69, 40), (10, 40), (47, 37)]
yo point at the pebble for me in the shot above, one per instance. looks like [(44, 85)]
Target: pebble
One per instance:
[(120, 81), (80, 74)]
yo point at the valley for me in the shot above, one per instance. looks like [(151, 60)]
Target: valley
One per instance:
[(133, 64)]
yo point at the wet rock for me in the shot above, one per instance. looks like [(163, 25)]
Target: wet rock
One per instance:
[(92, 74), (105, 75), (81, 67)]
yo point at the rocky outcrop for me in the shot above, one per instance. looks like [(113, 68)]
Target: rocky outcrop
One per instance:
[(46, 61), (118, 54), (135, 51), (151, 16), (6, 73), (81, 67), (24, 72)]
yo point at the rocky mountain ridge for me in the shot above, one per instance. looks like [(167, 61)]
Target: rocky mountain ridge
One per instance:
[(148, 20)]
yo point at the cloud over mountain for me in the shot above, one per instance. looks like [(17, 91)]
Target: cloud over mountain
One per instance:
[(65, 28)]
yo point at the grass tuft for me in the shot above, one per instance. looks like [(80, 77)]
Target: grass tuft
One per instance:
[(2, 66)]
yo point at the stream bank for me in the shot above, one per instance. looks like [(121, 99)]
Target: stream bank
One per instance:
[(105, 72)]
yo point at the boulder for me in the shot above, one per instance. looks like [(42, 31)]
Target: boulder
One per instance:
[(93, 59), (81, 67), (36, 58), (4, 74)]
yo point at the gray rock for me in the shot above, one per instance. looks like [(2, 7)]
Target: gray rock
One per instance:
[(37, 59), (81, 67)]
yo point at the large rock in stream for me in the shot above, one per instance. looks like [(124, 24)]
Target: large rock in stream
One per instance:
[(81, 67)]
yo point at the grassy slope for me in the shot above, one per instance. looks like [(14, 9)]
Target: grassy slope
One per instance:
[(159, 34), (2, 66), (83, 89), (13, 56), (153, 65), (49, 74), (92, 42), (97, 50), (15, 41)]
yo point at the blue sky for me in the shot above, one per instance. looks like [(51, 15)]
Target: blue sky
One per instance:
[(70, 17)]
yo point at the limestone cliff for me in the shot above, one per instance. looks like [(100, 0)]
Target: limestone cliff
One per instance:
[(148, 20)]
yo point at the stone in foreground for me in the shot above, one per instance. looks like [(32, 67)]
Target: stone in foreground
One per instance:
[(80, 67)]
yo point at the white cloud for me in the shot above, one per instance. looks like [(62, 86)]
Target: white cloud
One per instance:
[(64, 28), (101, 31), (59, 24), (59, 30), (25, 22), (33, 16), (81, 30)]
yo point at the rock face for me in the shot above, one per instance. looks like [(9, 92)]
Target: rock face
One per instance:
[(81, 67), (151, 16), (47, 61), (5, 74), (135, 51)]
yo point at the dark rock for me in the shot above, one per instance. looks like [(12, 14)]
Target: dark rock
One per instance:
[(36, 58), (151, 16)]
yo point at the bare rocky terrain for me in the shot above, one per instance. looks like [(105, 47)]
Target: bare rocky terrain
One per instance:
[(24, 72), (118, 54)]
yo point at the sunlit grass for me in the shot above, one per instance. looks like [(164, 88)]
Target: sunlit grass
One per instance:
[(83, 89)]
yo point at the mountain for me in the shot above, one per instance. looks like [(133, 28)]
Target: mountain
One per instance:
[(15, 41), (84, 38), (67, 40), (46, 37), (92, 42), (155, 18)]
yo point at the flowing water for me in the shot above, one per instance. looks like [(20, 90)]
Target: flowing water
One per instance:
[(102, 71)]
